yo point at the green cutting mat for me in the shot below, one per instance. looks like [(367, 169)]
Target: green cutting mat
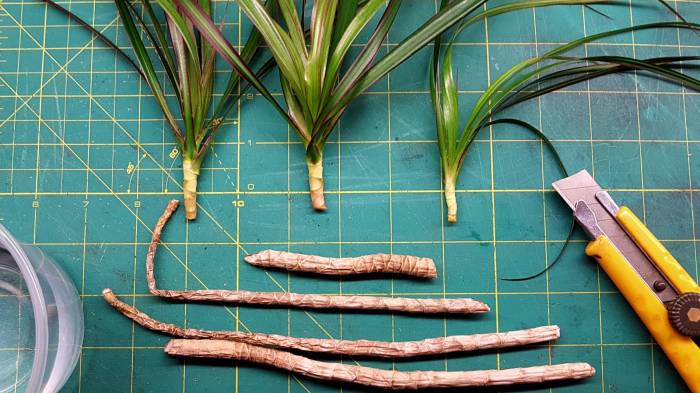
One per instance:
[(87, 165)]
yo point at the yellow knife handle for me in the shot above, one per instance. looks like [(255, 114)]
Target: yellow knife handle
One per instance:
[(681, 350), (669, 266)]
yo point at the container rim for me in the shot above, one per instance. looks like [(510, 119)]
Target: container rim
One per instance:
[(41, 324)]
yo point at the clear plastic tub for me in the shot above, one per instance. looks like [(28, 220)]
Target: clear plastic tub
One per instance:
[(41, 320)]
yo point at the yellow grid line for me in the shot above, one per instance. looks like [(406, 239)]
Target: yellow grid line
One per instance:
[(684, 92), (493, 198), (641, 165), (593, 173), (85, 214), (390, 211), (545, 246), (19, 307), (238, 188)]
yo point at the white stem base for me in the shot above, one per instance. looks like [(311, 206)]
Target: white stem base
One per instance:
[(316, 184), (451, 200)]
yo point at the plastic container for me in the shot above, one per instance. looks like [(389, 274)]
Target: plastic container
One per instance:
[(41, 320)]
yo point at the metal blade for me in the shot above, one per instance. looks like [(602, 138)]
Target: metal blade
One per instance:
[(578, 187), (581, 187), (585, 217)]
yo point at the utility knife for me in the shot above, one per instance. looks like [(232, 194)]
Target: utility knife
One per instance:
[(662, 293)]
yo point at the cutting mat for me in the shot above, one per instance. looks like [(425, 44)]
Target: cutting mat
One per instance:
[(87, 165)]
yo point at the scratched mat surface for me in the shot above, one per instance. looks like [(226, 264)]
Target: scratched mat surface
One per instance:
[(87, 165)]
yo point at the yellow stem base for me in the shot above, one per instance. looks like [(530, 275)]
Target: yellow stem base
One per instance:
[(189, 187), (316, 184)]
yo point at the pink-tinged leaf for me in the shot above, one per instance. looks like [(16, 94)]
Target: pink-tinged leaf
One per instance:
[(202, 22), (179, 48)]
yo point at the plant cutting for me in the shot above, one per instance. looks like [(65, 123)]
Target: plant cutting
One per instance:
[(375, 377), (317, 76), (382, 349), (188, 62), (526, 80), (374, 263), (315, 301)]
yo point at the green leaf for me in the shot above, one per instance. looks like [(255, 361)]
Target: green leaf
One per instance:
[(342, 93), (671, 75), (677, 14), (171, 10), (515, 6), (443, 20), (296, 32), (183, 86), (321, 36), (369, 50), (278, 41), (450, 104), (347, 9), (296, 111)]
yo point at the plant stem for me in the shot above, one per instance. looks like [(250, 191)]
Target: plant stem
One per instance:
[(373, 377), (287, 299), (316, 182), (190, 172), (382, 349), (375, 263), (450, 197)]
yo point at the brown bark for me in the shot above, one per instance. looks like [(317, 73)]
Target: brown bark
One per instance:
[(372, 377), (340, 302), (375, 263), (407, 305), (431, 346)]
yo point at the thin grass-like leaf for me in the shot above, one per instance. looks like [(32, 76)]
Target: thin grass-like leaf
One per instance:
[(450, 105), (557, 158), (574, 75), (159, 39), (229, 96), (97, 34), (677, 14), (183, 86), (147, 66), (171, 10)]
